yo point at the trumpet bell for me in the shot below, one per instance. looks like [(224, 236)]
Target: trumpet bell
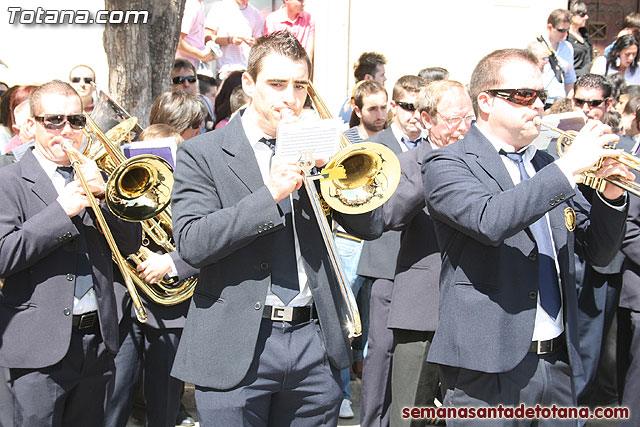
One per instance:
[(140, 188), (372, 174)]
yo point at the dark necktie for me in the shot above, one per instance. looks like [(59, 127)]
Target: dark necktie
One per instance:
[(284, 269), (412, 144), (547, 276), (84, 278)]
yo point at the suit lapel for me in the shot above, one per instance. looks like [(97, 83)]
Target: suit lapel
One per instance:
[(242, 159), (42, 186), (487, 157)]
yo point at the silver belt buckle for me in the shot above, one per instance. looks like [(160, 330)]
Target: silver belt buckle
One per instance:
[(282, 314), (87, 321)]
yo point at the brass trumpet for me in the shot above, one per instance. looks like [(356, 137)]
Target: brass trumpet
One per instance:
[(589, 177), (140, 311)]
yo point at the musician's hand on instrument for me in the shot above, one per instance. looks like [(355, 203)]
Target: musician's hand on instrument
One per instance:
[(92, 175), (610, 168), (587, 147), (72, 198), (283, 178), (154, 268)]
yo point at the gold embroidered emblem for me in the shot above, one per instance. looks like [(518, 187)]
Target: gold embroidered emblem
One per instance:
[(570, 219)]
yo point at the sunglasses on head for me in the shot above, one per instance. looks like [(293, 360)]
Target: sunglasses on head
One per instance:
[(526, 97), (409, 106), (590, 102), (57, 121), (180, 79), (87, 80)]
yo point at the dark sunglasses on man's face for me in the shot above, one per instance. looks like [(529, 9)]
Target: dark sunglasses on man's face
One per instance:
[(590, 102), (581, 14), (562, 30), (87, 80), (406, 105), (526, 97), (58, 121), (180, 79)]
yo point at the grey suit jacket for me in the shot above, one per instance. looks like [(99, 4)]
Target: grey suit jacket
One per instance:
[(378, 257), (223, 220), (38, 267), (488, 283), (414, 302)]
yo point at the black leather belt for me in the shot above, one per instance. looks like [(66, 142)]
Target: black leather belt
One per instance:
[(290, 314), (85, 323), (548, 346)]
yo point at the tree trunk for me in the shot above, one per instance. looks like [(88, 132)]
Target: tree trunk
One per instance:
[(140, 56)]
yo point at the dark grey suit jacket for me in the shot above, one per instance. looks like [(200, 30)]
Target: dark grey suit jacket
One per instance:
[(414, 302), (37, 297), (378, 257), (488, 283), (223, 220), (630, 291)]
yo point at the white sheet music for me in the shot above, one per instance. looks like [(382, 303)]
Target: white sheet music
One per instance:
[(320, 137)]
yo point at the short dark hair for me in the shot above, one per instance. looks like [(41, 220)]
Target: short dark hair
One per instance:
[(179, 109), (594, 81), (238, 98), (205, 83), (183, 64), (487, 74), (432, 74), (577, 6), (558, 16), (367, 64), (282, 43), (366, 88), (408, 83), (54, 86)]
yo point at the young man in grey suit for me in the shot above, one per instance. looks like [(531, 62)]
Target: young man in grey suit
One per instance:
[(263, 340), (57, 309), (446, 112), (508, 221)]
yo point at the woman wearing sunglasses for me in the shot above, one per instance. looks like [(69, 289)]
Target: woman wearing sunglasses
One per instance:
[(622, 58), (579, 38)]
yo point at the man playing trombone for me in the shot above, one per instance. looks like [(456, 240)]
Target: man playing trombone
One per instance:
[(57, 309), (508, 221), (263, 341)]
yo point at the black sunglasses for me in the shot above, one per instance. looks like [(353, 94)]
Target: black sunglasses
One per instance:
[(409, 106), (180, 79), (57, 121), (87, 80), (590, 102), (526, 97), (562, 30), (581, 14)]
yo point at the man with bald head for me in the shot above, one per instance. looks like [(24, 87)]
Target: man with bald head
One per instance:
[(82, 79)]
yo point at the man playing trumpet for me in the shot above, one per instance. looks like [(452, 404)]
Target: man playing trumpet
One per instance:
[(508, 221), (57, 309)]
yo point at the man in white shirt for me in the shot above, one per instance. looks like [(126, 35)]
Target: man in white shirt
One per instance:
[(557, 29)]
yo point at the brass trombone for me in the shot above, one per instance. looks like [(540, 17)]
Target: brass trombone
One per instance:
[(589, 177), (140, 311), (360, 178)]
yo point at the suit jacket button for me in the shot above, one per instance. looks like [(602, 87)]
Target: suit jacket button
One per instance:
[(259, 229), (67, 312), (552, 202), (562, 196), (258, 306), (264, 266), (69, 277), (533, 256), (533, 295)]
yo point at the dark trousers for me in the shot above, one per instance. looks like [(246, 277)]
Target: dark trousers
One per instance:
[(289, 383), (629, 364), (597, 305), (375, 397), (72, 392), (543, 380), (414, 381), (6, 399), (153, 350)]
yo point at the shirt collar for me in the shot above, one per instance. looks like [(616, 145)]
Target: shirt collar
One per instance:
[(253, 132), (48, 166), (527, 152)]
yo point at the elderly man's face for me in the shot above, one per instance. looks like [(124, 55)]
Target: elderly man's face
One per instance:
[(591, 102), (185, 79), (453, 118)]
